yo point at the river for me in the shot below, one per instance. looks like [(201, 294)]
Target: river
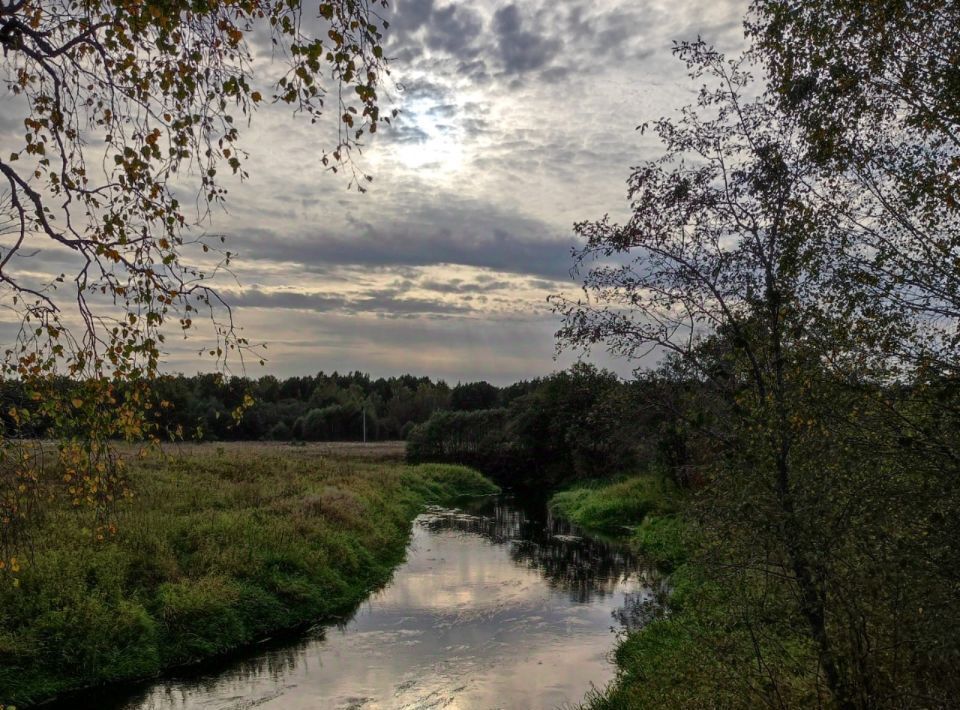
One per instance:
[(497, 605)]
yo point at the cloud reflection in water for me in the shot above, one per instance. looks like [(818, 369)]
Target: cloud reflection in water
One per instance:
[(493, 608)]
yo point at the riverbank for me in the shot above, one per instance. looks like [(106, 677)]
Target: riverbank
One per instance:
[(222, 546), (699, 649), (656, 664)]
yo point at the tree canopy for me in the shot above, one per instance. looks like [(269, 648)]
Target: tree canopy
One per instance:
[(856, 73), (806, 306)]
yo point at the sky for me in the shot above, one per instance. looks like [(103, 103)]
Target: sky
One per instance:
[(517, 120)]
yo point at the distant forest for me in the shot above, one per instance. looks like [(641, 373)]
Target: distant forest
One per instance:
[(322, 407), (571, 424)]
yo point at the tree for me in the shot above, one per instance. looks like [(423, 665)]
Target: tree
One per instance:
[(874, 87), (848, 68), (127, 107), (746, 262), (573, 424), (875, 90), (471, 396)]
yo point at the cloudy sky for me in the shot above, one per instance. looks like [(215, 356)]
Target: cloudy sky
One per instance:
[(517, 121)]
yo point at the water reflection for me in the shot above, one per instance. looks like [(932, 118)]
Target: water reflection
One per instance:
[(496, 606), (569, 561)]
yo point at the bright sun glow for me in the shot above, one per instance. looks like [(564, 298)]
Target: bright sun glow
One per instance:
[(436, 146), (435, 154)]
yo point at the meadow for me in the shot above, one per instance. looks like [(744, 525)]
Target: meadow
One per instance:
[(222, 546)]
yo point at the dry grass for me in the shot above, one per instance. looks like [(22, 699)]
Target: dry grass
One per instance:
[(222, 545)]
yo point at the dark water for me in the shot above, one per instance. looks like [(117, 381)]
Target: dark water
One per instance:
[(497, 606)]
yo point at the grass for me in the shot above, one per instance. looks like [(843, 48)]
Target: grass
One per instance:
[(657, 664), (642, 508), (699, 652), (615, 507), (222, 546)]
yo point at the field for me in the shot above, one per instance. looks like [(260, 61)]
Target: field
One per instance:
[(222, 545)]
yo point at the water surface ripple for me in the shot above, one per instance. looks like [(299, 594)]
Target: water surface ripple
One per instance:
[(496, 606)]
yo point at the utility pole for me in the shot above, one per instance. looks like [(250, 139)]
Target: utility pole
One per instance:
[(363, 411)]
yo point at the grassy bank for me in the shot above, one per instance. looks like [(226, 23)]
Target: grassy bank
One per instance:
[(699, 652), (222, 546), (658, 664), (642, 509)]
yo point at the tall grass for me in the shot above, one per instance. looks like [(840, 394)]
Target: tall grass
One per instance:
[(615, 507), (221, 547)]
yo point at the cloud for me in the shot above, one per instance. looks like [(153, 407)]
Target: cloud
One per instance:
[(389, 302), (461, 286), (540, 101), (451, 231), (521, 50), (406, 246), (518, 120), (408, 16), (453, 29), (404, 130)]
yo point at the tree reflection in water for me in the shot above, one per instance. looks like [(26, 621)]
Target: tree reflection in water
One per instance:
[(583, 566), (497, 605)]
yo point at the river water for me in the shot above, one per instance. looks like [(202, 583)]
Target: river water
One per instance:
[(496, 606)]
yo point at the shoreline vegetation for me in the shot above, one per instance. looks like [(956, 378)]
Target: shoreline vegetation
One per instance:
[(656, 663), (671, 660), (222, 546)]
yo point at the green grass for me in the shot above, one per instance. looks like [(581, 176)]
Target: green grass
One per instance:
[(221, 547), (658, 665), (642, 509), (663, 539), (615, 507), (672, 662), (703, 655)]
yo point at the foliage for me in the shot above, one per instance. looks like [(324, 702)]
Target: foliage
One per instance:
[(468, 437), (219, 549), (201, 407), (127, 109), (874, 86), (663, 539), (701, 649), (647, 508), (569, 425), (445, 482), (615, 507), (471, 396), (809, 325), (687, 660)]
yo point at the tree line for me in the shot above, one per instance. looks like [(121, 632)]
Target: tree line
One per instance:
[(576, 424), (321, 407)]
